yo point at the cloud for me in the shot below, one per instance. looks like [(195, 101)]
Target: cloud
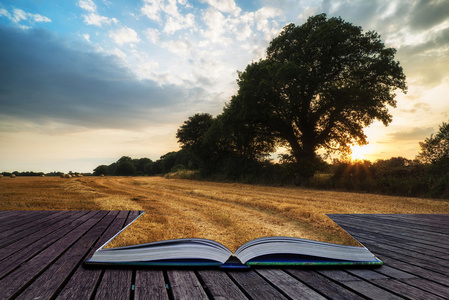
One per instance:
[(42, 80), (226, 6), (19, 15), (417, 107), (153, 35), (269, 28), (86, 37), (97, 20), (418, 29), (168, 12), (427, 14), (412, 135), (93, 18), (124, 35), (174, 24), (152, 10), (88, 5), (5, 13), (216, 25), (179, 47), (427, 61)]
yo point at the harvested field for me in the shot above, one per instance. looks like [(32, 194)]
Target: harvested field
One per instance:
[(226, 212)]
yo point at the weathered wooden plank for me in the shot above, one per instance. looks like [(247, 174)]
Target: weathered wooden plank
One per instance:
[(48, 283), (422, 244), (394, 246), (56, 224), (433, 223), (323, 285), (290, 286), (415, 259), (121, 282), (220, 286), (183, 284), (24, 254), (26, 217), (369, 290), (430, 286), (405, 290), (23, 218), (19, 278), (132, 215), (366, 274), (434, 250), (411, 247), (7, 215), (123, 214), (336, 274), (437, 220), (255, 286), (352, 274), (115, 284), (423, 272), (150, 284), (394, 273), (390, 231), (83, 282), (405, 222), (19, 230), (399, 259), (362, 283)]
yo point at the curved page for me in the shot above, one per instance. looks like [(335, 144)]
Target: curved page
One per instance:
[(302, 247), (180, 249)]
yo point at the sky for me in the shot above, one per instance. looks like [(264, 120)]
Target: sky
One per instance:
[(85, 82)]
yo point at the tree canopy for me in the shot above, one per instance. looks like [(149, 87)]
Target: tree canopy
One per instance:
[(191, 133), (319, 86), (435, 148)]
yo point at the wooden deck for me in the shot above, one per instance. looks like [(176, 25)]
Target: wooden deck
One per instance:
[(41, 256)]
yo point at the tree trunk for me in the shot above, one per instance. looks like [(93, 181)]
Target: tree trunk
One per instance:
[(304, 155)]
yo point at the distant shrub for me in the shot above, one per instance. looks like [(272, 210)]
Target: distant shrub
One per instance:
[(177, 168), (184, 174)]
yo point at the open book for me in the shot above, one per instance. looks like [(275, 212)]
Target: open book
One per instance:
[(266, 251)]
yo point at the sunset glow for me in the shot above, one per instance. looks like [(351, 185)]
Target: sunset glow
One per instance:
[(360, 152)]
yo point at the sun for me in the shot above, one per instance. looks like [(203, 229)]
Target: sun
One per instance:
[(359, 152)]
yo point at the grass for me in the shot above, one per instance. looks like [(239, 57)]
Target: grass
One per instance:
[(229, 213)]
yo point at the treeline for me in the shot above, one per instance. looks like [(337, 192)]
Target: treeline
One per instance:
[(395, 176), (42, 174), (31, 173), (168, 163), (425, 176)]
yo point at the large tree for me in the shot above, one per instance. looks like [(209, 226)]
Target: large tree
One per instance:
[(320, 84)]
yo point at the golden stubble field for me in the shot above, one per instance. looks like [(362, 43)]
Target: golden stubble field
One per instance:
[(229, 213)]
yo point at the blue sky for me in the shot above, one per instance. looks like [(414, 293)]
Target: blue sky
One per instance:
[(84, 82)]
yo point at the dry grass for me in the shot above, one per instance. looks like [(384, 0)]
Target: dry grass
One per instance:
[(229, 213)]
